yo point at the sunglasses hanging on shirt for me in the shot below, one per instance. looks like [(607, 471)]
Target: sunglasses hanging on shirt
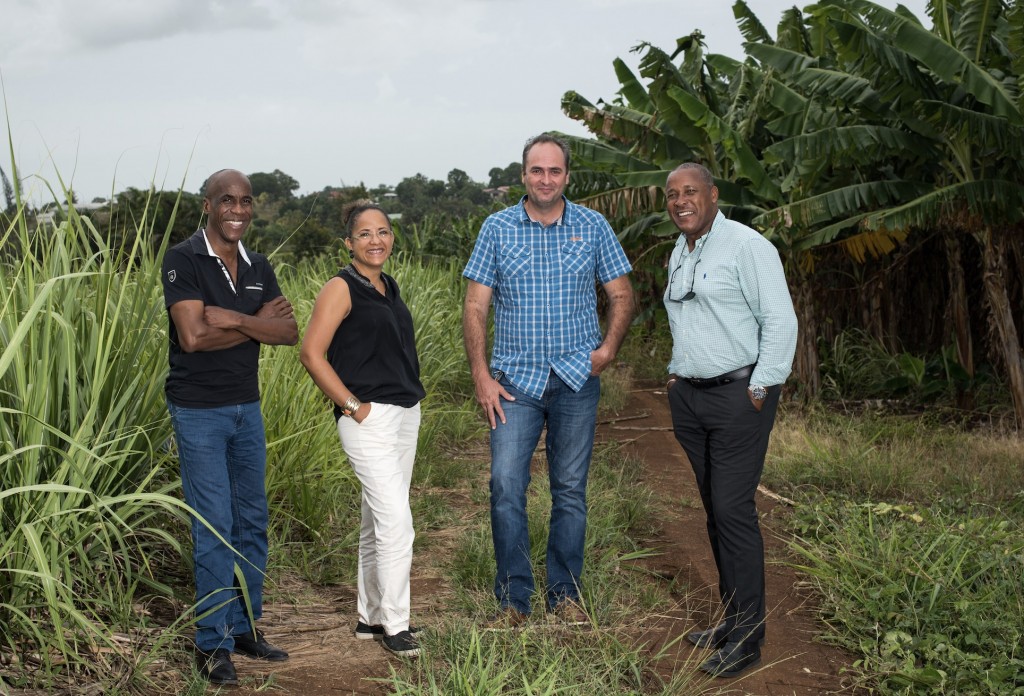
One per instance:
[(690, 294)]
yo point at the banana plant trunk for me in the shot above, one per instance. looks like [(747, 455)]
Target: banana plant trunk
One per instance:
[(959, 315), (1007, 340), (806, 363)]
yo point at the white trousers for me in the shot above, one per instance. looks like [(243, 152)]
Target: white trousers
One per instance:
[(382, 449)]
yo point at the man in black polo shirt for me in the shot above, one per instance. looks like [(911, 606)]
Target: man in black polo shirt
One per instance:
[(223, 301)]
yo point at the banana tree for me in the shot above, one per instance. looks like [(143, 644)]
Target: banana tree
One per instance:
[(855, 128), (958, 105)]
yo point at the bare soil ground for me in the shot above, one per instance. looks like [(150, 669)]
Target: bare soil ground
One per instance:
[(326, 658)]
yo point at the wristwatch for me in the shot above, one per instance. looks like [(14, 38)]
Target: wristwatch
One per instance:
[(758, 392)]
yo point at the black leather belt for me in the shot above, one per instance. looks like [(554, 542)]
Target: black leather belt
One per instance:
[(708, 382)]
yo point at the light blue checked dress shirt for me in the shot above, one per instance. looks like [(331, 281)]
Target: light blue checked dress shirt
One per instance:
[(543, 290), (742, 313)]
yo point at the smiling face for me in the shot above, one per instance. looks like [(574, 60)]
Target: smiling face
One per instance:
[(228, 205), (371, 241), (545, 176), (692, 202)]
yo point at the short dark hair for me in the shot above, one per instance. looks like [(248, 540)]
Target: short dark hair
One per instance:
[(702, 171), (546, 138), (351, 212)]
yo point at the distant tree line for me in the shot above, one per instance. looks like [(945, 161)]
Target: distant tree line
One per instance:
[(430, 214)]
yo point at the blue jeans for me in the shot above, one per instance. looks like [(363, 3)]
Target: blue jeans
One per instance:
[(571, 418), (222, 454)]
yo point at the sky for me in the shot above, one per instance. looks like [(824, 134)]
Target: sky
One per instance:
[(111, 94)]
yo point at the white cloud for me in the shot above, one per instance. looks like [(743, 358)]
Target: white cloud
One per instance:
[(63, 27), (386, 88), (122, 93)]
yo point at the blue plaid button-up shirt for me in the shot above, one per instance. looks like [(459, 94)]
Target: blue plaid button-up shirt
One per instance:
[(543, 290)]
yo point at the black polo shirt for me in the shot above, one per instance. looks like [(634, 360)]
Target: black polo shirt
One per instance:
[(208, 379)]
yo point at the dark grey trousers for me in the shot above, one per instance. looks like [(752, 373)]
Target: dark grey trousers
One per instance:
[(726, 439)]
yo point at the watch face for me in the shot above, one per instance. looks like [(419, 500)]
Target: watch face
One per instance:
[(759, 393)]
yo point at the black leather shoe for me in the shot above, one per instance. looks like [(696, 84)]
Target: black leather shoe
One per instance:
[(713, 637), (216, 667), (732, 659), (254, 645)]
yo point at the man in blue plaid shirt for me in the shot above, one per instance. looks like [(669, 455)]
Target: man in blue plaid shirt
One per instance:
[(538, 262)]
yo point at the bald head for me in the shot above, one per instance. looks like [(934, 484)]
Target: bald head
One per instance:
[(218, 179)]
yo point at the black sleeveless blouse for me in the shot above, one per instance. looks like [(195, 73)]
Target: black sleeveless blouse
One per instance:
[(374, 349)]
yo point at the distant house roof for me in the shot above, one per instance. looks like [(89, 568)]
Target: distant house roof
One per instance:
[(85, 207), (497, 192)]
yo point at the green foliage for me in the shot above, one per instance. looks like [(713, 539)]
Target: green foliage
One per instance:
[(440, 237), (856, 129), (9, 202), (458, 197), (309, 237), (154, 215), (85, 481), (512, 175), (874, 453), (930, 599), (460, 661), (544, 657), (277, 185), (912, 533), (647, 349), (302, 227), (858, 367)]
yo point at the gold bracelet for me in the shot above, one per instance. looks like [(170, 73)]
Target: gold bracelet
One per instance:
[(351, 405)]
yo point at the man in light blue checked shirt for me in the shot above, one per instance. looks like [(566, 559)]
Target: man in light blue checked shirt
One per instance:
[(538, 262), (733, 339)]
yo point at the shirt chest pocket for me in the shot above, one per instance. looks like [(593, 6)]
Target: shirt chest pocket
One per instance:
[(514, 260), (578, 257), (250, 299)]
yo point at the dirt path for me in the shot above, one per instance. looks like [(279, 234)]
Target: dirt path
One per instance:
[(328, 659), (792, 664)]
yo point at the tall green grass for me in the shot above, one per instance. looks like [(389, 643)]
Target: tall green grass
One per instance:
[(911, 529), (931, 599), (92, 523), (608, 657), (313, 492), (84, 479), (913, 533)]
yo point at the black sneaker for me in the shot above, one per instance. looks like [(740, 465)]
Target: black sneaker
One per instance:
[(368, 632), (365, 631), (402, 643), (216, 667), (255, 645)]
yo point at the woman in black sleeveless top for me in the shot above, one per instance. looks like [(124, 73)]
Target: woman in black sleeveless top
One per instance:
[(360, 351)]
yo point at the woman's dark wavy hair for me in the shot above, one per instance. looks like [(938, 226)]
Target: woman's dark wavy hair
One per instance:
[(351, 212)]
